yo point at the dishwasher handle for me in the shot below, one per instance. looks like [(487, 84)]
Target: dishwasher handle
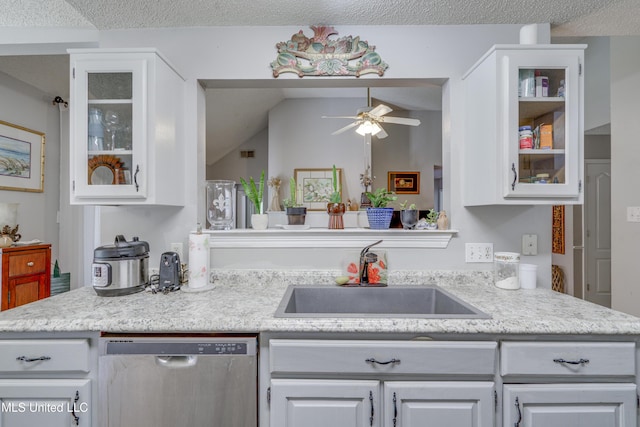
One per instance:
[(177, 361)]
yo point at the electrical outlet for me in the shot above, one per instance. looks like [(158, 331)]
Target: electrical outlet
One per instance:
[(478, 252), (529, 244), (177, 248)]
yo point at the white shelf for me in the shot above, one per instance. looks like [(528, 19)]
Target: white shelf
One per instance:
[(325, 238)]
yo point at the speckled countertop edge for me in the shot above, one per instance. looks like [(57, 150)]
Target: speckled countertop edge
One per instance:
[(246, 300)]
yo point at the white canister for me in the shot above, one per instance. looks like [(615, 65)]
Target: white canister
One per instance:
[(506, 270), (528, 276)]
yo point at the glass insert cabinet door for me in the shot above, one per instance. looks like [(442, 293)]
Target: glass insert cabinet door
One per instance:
[(109, 128), (543, 137)]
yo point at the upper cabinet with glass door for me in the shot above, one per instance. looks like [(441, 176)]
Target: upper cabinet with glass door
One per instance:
[(126, 127), (524, 126)]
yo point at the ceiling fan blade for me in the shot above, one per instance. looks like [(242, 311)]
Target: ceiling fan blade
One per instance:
[(346, 128), (341, 117), (380, 110), (382, 134), (400, 120)]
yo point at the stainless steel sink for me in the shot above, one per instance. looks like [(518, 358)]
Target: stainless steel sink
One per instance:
[(429, 302)]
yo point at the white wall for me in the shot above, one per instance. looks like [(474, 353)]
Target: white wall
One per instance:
[(432, 52), (625, 173), (597, 105), (29, 107), (233, 167), (197, 55)]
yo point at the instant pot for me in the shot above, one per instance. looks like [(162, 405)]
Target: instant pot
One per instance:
[(121, 268)]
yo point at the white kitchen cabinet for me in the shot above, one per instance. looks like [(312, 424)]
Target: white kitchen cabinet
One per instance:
[(499, 168), (127, 128), (450, 403), (355, 403), (569, 405), (320, 403), (565, 384), (45, 402), (47, 381), (354, 383)]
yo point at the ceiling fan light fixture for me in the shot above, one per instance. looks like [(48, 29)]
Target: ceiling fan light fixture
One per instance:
[(368, 127)]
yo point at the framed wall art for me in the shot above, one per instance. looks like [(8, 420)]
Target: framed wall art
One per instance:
[(314, 187), (21, 158), (404, 182)]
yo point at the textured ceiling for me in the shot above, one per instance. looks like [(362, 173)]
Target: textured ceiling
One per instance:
[(573, 18)]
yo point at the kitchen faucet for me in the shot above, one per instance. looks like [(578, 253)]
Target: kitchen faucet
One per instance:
[(366, 258)]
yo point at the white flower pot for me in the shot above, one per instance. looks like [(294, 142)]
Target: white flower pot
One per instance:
[(259, 221)]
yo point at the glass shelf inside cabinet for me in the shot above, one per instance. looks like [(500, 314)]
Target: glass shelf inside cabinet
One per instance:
[(541, 114), (110, 128)]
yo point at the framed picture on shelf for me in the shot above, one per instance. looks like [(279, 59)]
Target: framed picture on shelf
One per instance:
[(314, 187), (21, 158), (404, 182)]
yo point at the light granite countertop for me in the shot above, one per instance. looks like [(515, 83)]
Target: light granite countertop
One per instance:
[(245, 301)]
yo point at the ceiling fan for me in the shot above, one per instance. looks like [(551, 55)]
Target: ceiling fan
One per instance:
[(369, 120)]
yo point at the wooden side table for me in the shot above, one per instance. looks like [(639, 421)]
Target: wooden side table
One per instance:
[(26, 274)]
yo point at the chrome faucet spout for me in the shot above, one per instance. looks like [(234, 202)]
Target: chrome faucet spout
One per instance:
[(366, 258)]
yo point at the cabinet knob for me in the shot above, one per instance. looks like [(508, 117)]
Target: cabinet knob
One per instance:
[(30, 264)]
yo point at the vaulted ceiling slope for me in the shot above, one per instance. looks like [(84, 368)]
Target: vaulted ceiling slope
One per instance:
[(568, 18)]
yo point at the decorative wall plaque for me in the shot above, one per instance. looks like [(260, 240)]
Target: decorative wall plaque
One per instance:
[(322, 56)]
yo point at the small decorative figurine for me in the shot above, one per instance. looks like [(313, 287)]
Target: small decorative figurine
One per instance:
[(443, 221)]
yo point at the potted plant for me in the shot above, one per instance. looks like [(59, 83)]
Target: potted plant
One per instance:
[(379, 215), (296, 214), (259, 220), (335, 207), (408, 216), (432, 218)]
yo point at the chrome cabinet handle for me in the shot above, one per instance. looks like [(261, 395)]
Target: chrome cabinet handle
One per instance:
[(32, 359), (515, 176), (372, 360), (580, 362), (30, 264), (76, 418), (395, 410), (517, 423), (371, 402)]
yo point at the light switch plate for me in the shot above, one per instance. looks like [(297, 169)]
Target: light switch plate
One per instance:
[(529, 244), (633, 214)]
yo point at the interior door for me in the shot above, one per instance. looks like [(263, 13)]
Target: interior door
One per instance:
[(597, 237)]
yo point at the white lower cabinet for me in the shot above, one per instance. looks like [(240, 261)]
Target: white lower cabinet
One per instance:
[(568, 384), (45, 402), (570, 405), (449, 403), (361, 403), (381, 383), (321, 403), (47, 381)]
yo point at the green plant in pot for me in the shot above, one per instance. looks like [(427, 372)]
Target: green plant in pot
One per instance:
[(296, 214), (379, 215), (335, 207), (259, 220), (432, 218), (408, 215)]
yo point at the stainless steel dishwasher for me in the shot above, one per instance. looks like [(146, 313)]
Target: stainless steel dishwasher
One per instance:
[(178, 381)]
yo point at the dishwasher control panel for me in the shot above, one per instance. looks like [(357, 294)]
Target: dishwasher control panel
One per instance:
[(181, 346)]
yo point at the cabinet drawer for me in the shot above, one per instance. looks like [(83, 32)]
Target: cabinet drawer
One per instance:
[(44, 355), (383, 357), (568, 359), (31, 263)]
